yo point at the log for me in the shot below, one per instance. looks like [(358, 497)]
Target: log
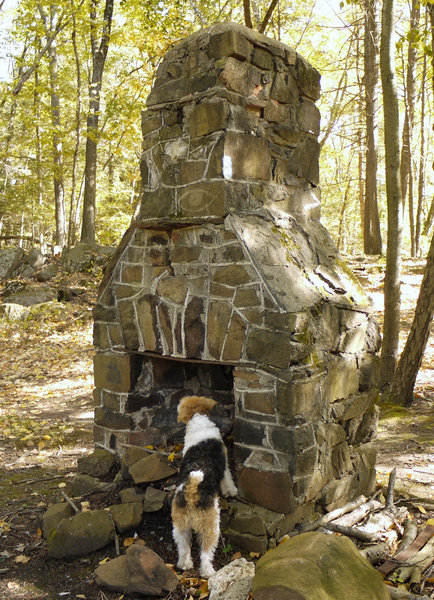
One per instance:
[(391, 489), (398, 594), (409, 535), (354, 532), (334, 514), (385, 519), (404, 555), (376, 552), (360, 513), (417, 564)]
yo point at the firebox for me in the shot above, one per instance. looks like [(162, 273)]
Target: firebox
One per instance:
[(226, 284)]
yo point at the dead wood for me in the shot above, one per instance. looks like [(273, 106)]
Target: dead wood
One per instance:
[(417, 564), (409, 535), (354, 532), (70, 502), (391, 489), (385, 520), (334, 514), (360, 513), (398, 594), (405, 555), (377, 552)]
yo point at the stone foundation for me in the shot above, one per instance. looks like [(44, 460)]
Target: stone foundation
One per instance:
[(226, 284)]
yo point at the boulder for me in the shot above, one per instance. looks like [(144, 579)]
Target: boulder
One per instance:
[(132, 494), (315, 566), (27, 295), (138, 571), (233, 581), (35, 258), (84, 484), (9, 260), (84, 258), (47, 272), (100, 463), (81, 534)]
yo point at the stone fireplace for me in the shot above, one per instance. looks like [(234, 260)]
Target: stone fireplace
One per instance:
[(226, 284)]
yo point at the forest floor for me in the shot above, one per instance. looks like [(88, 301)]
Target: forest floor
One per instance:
[(46, 413)]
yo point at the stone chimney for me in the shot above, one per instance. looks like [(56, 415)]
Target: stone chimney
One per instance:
[(226, 284)]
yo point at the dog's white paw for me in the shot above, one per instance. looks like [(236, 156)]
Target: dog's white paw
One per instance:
[(206, 570), (185, 563), (229, 490)]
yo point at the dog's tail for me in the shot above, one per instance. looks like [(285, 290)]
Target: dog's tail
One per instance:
[(188, 493)]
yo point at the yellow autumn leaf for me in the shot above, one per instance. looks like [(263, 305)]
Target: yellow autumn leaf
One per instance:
[(22, 558), (255, 554), (149, 447), (430, 522), (420, 508), (129, 541), (41, 445), (62, 485), (104, 560), (171, 457)]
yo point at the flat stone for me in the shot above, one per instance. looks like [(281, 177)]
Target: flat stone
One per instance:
[(273, 348), (14, 312), (239, 77), (218, 318), (308, 79), (208, 117), (111, 419), (232, 275), (100, 463), (284, 88), (151, 468), (132, 494), (247, 541), (114, 371), (246, 157), (301, 568), (81, 534), (53, 515), (268, 489), (113, 575), (127, 516), (84, 484), (304, 160), (229, 43), (194, 329), (235, 339), (205, 198), (262, 59), (154, 499), (148, 322)]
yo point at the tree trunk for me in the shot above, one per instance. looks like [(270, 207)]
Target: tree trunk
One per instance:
[(407, 369), (392, 292), (99, 55), (371, 229), (420, 184), (407, 132)]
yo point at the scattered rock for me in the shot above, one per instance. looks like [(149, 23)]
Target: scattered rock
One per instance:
[(100, 463), (13, 312), (132, 494), (315, 565), (81, 534), (47, 272), (85, 257), (139, 571), (35, 259), (53, 515), (127, 516), (151, 468), (84, 484), (129, 457), (154, 499), (9, 260), (232, 582), (27, 295)]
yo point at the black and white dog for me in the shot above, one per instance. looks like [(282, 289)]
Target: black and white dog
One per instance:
[(204, 477)]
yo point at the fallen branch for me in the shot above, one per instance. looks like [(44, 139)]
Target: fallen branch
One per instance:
[(334, 514), (357, 515), (354, 532), (398, 594), (405, 555), (377, 552), (409, 535), (417, 564), (391, 490), (70, 502), (385, 520)]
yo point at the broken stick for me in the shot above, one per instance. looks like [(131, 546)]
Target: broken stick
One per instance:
[(334, 514)]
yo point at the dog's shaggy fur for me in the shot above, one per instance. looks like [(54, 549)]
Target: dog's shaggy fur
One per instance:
[(204, 476)]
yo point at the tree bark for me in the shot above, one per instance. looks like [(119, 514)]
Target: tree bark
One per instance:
[(420, 183), (371, 228), (392, 291), (402, 387), (99, 55)]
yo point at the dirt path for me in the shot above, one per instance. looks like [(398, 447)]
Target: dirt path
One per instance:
[(46, 412)]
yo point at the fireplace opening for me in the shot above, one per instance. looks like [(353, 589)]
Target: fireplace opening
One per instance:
[(160, 385)]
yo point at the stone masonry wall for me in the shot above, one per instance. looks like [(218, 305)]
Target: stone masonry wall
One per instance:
[(226, 275)]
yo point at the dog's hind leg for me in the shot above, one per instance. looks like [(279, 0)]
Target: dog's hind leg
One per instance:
[(228, 487), (209, 532), (182, 539)]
